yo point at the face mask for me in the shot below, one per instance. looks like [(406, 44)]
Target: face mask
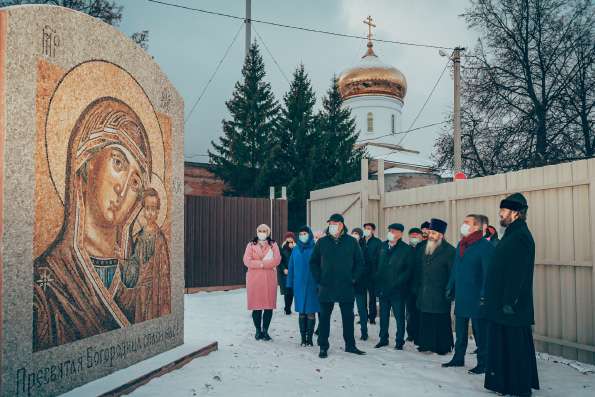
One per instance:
[(465, 230), (390, 237), (261, 236), (414, 241), (291, 245), (304, 238), (367, 233), (333, 229)]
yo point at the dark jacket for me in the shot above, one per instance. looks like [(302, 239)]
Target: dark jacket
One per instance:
[(434, 274), (337, 264), (371, 252), (284, 265), (467, 280), (418, 252), (395, 268), (510, 277)]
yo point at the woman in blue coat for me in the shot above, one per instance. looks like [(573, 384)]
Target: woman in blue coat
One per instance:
[(304, 287)]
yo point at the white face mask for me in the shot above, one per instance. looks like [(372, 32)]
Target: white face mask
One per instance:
[(465, 230), (414, 241), (367, 233), (304, 238), (333, 229), (390, 237), (261, 236)]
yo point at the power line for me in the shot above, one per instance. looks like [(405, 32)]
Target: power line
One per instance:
[(270, 54), (213, 75), (426, 102), (404, 132), (302, 28)]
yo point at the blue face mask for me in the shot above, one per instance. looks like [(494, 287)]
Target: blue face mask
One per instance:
[(304, 238)]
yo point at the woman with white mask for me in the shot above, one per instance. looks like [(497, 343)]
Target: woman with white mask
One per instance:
[(262, 257)]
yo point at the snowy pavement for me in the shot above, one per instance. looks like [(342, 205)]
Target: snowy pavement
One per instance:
[(246, 367)]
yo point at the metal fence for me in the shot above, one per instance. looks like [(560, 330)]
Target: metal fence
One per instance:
[(217, 230), (561, 217)]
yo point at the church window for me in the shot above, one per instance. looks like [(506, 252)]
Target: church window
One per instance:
[(370, 122)]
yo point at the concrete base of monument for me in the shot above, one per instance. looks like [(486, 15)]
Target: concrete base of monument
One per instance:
[(125, 381)]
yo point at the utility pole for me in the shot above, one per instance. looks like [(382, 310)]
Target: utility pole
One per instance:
[(248, 22), (458, 162)]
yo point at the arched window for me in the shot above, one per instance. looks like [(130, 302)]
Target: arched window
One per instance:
[(392, 123), (370, 122)]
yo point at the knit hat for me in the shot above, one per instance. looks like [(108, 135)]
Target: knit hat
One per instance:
[(514, 202), (336, 218), (438, 225), (396, 226), (425, 225), (415, 230), (289, 235), (358, 231)]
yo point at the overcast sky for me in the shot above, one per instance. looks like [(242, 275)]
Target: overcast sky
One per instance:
[(189, 45)]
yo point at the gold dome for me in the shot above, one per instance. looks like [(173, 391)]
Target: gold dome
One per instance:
[(372, 77)]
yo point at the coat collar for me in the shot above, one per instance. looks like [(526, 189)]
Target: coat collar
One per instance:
[(514, 227)]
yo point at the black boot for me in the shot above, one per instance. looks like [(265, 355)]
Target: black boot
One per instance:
[(266, 321), (310, 331), (303, 320), (455, 362), (382, 343), (480, 369), (355, 350), (257, 320), (323, 353)]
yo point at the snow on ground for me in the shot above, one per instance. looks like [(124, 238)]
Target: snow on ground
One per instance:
[(246, 367)]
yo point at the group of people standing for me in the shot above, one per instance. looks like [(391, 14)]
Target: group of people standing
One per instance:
[(489, 279)]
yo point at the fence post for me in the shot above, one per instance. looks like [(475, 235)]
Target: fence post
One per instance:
[(381, 195), (591, 170), (364, 192)]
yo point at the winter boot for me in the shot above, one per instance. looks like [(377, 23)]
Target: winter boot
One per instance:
[(310, 331), (303, 320)]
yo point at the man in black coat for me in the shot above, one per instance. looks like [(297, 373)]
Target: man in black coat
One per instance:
[(371, 246), (511, 365), (337, 264), (435, 329), (412, 314), (393, 280)]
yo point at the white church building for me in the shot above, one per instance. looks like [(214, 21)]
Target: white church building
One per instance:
[(375, 92)]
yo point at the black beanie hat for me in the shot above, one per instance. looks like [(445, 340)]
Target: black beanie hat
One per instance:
[(514, 202), (425, 225), (396, 226), (358, 231), (415, 230), (336, 218)]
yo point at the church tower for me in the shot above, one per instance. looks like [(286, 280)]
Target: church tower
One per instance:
[(375, 92)]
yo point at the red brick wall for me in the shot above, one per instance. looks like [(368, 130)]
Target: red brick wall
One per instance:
[(200, 181)]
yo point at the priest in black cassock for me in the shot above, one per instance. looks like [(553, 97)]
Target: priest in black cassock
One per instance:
[(435, 329), (511, 365)]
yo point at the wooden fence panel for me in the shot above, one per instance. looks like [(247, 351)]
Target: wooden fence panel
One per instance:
[(217, 230)]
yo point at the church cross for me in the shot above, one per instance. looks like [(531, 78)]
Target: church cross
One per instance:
[(368, 21), (45, 280)]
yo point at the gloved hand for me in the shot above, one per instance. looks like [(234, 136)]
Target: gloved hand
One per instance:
[(507, 309)]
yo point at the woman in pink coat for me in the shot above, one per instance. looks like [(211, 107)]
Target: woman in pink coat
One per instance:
[(262, 257)]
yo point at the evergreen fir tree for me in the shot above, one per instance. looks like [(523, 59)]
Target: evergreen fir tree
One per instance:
[(292, 161), (241, 154), (336, 157)]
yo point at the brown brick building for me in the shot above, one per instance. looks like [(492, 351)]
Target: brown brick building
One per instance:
[(199, 180)]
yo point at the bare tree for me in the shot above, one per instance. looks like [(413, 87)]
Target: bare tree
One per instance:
[(517, 81)]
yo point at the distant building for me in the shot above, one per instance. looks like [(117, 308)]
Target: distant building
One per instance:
[(199, 180), (375, 94)]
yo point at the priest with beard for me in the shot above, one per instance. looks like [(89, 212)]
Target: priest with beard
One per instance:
[(435, 329), (511, 365)]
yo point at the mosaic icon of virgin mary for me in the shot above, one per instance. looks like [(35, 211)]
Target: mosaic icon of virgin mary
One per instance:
[(97, 276)]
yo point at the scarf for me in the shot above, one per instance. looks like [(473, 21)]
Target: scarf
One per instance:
[(469, 240)]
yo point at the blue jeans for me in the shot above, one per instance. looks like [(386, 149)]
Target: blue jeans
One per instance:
[(361, 301), (397, 304)]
